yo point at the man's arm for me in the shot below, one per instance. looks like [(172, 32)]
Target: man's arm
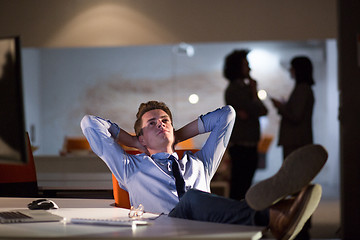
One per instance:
[(300, 102), (119, 135), (124, 138), (246, 108), (188, 131), (101, 134), (220, 124)]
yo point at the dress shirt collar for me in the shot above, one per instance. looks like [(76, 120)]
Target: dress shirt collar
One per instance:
[(164, 156)]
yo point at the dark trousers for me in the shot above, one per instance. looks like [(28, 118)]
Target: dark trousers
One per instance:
[(244, 162), (203, 206)]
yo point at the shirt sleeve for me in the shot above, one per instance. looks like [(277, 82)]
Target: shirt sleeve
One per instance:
[(220, 124), (101, 135), (98, 132)]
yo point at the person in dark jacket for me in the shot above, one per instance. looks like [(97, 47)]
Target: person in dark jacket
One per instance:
[(241, 93), (296, 115)]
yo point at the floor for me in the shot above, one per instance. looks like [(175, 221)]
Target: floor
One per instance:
[(326, 223)]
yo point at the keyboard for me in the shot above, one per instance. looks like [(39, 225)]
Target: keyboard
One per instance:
[(110, 221)]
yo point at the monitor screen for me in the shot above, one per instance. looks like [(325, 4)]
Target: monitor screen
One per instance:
[(12, 121)]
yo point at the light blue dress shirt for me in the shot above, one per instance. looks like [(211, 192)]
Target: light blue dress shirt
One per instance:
[(149, 179)]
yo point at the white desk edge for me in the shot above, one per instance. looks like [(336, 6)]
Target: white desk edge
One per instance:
[(163, 227)]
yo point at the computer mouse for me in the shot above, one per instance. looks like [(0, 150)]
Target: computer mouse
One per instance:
[(44, 204)]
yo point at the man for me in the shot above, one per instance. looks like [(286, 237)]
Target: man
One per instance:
[(162, 183)]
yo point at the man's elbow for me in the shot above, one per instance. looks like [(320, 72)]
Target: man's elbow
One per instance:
[(232, 112), (85, 122)]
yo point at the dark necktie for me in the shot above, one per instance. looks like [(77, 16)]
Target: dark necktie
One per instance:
[(179, 180)]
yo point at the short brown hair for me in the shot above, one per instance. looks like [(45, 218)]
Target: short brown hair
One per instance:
[(145, 107)]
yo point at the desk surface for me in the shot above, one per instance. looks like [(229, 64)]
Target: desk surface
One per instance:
[(162, 227)]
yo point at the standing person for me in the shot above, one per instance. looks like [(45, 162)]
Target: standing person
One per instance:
[(296, 114), (241, 93), (163, 183)]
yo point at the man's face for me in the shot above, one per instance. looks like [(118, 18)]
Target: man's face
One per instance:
[(157, 130), (245, 68)]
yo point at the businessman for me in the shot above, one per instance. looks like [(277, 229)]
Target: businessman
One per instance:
[(163, 183)]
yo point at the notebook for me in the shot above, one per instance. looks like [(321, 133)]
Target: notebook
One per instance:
[(28, 216)]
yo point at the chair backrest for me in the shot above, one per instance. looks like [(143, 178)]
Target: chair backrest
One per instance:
[(120, 195), (187, 144), (264, 143), (75, 145)]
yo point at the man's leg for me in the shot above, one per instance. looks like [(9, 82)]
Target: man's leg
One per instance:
[(285, 219), (265, 202), (203, 206)]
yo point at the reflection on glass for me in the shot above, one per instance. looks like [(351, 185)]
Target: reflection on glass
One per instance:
[(11, 115), (262, 94)]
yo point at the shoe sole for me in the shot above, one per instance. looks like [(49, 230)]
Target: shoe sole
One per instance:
[(311, 201), (296, 172)]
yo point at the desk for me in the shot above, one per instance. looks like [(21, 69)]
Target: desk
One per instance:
[(163, 227)]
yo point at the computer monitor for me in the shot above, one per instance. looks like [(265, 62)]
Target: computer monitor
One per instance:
[(12, 121)]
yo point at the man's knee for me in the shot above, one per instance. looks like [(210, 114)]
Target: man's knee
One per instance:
[(183, 208)]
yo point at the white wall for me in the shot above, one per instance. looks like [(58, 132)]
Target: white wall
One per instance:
[(63, 84)]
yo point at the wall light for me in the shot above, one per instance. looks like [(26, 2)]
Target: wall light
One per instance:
[(194, 98), (262, 60), (262, 94)]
